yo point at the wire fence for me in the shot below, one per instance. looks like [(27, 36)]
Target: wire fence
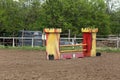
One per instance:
[(31, 41)]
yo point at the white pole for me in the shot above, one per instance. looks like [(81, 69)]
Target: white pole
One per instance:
[(75, 39), (22, 36), (32, 42), (13, 42), (117, 42), (69, 35), (43, 39)]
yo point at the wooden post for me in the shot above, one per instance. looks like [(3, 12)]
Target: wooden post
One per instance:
[(43, 38), (69, 35), (22, 38), (89, 38), (93, 51), (117, 42), (52, 43), (13, 42), (32, 42)]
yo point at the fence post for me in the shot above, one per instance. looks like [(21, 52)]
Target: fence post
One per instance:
[(52, 43), (13, 42), (69, 35), (43, 39), (22, 41), (3, 41), (117, 42), (32, 42)]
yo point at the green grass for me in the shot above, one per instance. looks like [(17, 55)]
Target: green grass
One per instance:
[(24, 48), (99, 49), (108, 50)]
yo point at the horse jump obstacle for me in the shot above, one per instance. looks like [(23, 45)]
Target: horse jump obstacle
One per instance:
[(53, 44), (73, 55)]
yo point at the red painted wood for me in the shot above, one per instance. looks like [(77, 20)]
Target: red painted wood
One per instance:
[(79, 55), (67, 56), (87, 39)]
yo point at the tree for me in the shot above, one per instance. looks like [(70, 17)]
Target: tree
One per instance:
[(75, 14), (9, 17), (112, 5), (113, 9), (65, 14), (33, 17), (115, 22), (20, 15)]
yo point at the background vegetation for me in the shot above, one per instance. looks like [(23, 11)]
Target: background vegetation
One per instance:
[(65, 14)]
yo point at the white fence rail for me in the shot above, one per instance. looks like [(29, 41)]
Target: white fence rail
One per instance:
[(21, 41), (101, 42), (31, 41)]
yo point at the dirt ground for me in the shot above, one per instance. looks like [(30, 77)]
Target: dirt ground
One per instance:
[(32, 65)]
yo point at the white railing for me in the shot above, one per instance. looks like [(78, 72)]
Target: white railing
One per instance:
[(21, 41), (31, 41)]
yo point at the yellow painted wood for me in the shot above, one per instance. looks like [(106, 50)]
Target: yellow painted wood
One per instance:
[(52, 42), (93, 51), (73, 45), (89, 29), (63, 51), (52, 47), (52, 30)]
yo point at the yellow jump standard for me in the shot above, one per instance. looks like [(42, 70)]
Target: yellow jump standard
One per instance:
[(52, 43)]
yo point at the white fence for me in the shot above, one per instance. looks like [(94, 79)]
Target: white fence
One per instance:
[(100, 42), (21, 41), (29, 41)]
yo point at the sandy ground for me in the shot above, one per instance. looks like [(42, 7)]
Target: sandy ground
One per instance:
[(32, 65)]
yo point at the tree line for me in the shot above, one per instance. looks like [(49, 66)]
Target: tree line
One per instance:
[(64, 14)]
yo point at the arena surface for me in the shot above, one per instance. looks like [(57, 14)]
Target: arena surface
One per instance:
[(32, 65)]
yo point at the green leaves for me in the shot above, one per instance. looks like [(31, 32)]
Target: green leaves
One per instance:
[(65, 14), (115, 22)]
